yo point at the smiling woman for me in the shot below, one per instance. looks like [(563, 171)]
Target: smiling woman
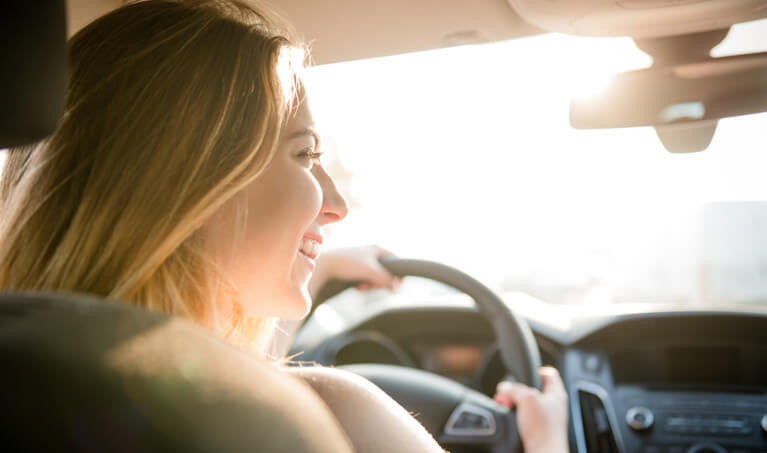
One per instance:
[(300, 198)]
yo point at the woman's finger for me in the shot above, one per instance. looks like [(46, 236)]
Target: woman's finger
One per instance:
[(514, 392), (381, 277), (383, 252), (551, 382)]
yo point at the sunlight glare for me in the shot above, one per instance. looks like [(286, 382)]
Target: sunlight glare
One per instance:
[(466, 156)]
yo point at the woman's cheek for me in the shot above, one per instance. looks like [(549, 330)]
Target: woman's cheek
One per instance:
[(312, 196), (317, 196)]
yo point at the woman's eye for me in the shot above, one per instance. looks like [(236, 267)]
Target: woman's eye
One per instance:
[(310, 156)]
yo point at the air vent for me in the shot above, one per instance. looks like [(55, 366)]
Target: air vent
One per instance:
[(598, 434)]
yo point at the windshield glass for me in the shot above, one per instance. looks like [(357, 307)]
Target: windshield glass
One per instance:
[(466, 156)]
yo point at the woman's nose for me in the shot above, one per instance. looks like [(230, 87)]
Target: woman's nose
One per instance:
[(334, 206)]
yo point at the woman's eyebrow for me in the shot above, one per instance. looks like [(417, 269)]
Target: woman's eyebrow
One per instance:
[(306, 131)]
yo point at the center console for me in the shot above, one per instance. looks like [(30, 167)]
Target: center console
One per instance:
[(691, 422), (668, 398)]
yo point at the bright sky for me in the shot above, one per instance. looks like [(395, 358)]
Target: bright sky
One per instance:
[(466, 156)]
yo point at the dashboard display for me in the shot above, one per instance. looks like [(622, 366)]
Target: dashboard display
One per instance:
[(710, 365), (683, 365), (453, 360)]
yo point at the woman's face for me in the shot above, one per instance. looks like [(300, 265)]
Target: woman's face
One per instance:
[(271, 261)]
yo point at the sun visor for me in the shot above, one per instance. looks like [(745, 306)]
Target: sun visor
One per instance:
[(33, 69), (637, 18)]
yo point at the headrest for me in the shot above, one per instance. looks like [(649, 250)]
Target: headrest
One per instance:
[(84, 375), (33, 69)]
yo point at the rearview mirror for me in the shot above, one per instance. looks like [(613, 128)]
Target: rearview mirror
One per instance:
[(686, 98)]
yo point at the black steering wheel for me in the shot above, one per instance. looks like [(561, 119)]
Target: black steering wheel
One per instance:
[(452, 412)]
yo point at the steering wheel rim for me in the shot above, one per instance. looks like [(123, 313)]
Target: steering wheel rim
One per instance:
[(441, 396), (517, 346)]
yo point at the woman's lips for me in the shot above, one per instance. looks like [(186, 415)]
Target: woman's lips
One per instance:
[(310, 263), (316, 237)]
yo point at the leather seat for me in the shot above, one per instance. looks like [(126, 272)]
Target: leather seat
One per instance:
[(85, 375)]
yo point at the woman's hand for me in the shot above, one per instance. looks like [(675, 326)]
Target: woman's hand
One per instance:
[(353, 264), (541, 415)]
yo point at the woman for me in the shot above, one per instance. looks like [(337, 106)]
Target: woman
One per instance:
[(185, 177)]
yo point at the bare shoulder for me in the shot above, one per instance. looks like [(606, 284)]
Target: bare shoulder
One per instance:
[(373, 421), (331, 381)]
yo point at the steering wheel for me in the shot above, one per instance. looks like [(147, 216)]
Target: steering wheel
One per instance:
[(452, 412)]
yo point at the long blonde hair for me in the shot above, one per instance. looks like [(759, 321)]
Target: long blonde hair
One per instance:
[(172, 108)]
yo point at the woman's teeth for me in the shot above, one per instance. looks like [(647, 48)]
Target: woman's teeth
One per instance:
[(309, 248)]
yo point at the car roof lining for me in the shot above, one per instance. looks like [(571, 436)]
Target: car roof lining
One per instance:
[(344, 30), (372, 28)]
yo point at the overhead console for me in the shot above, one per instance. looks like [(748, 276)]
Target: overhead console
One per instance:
[(663, 384), (686, 91), (637, 18)]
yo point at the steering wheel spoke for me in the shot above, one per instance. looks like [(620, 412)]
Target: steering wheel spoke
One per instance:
[(481, 421)]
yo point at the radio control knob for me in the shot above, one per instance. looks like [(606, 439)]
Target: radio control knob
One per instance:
[(639, 418), (764, 423)]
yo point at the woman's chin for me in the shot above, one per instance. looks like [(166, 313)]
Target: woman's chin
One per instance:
[(296, 306), (291, 304)]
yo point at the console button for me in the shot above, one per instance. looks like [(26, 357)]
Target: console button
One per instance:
[(470, 420), (592, 363), (639, 418)]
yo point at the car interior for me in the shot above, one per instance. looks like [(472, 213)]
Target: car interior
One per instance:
[(640, 377)]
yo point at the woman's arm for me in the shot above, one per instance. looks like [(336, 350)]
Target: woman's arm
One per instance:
[(373, 421), (353, 264)]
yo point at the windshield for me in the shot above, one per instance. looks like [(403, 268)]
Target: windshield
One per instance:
[(466, 156)]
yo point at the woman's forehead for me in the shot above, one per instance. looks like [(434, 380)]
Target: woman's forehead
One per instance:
[(301, 122)]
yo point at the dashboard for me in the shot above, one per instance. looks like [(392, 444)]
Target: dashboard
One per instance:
[(671, 382), (659, 381)]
